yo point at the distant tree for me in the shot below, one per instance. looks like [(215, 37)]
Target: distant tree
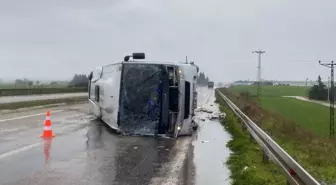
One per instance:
[(37, 82), (319, 91), (30, 83), (25, 81), (79, 80), (19, 82), (267, 83), (202, 79)]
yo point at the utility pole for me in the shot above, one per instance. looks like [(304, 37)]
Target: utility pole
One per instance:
[(186, 59), (259, 71), (307, 84), (331, 65), (328, 89)]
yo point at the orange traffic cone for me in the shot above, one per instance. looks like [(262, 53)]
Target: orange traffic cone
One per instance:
[(47, 132)]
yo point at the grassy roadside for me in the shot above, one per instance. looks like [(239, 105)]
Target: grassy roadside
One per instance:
[(35, 91), (22, 86), (245, 163), (315, 153), (17, 105)]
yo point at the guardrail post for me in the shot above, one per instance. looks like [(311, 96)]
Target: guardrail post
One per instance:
[(243, 126), (238, 120), (251, 138), (265, 157)]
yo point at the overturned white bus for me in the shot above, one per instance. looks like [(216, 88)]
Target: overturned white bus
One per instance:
[(145, 98)]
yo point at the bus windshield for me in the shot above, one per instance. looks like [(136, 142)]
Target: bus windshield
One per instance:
[(140, 98)]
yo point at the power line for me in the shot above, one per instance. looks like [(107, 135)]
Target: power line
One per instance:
[(331, 65), (259, 71)]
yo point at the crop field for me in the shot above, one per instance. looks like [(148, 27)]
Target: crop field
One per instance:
[(311, 116), (23, 86), (35, 91), (273, 91)]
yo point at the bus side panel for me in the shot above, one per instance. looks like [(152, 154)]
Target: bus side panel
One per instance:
[(180, 116), (189, 73), (110, 94)]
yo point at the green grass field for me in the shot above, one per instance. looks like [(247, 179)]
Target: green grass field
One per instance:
[(35, 91), (273, 91), (311, 116), (13, 86), (51, 102)]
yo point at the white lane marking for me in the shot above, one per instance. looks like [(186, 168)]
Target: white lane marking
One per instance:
[(28, 147), (174, 166), (177, 166), (206, 99), (22, 149), (28, 116)]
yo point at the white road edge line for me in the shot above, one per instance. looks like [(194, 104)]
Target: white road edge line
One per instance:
[(177, 163), (22, 149), (28, 116), (174, 167), (177, 166)]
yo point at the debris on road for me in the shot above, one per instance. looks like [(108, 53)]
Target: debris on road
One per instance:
[(200, 109), (206, 110), (217, 116), (205, 141)]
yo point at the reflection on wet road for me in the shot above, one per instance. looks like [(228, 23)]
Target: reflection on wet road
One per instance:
[(85, 151), (210, 149)]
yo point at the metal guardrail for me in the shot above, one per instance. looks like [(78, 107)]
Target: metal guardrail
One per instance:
[(295, 173)]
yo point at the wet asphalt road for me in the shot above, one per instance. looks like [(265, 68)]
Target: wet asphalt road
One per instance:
[(85, 151), (12, 99)]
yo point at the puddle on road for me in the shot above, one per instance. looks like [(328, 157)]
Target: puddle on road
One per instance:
[(210, 151)]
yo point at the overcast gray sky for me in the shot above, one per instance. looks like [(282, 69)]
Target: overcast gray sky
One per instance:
[(44, 39)]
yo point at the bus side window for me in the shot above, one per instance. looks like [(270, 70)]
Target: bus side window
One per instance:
[(90, 78), (97, 93), (187, 100)]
